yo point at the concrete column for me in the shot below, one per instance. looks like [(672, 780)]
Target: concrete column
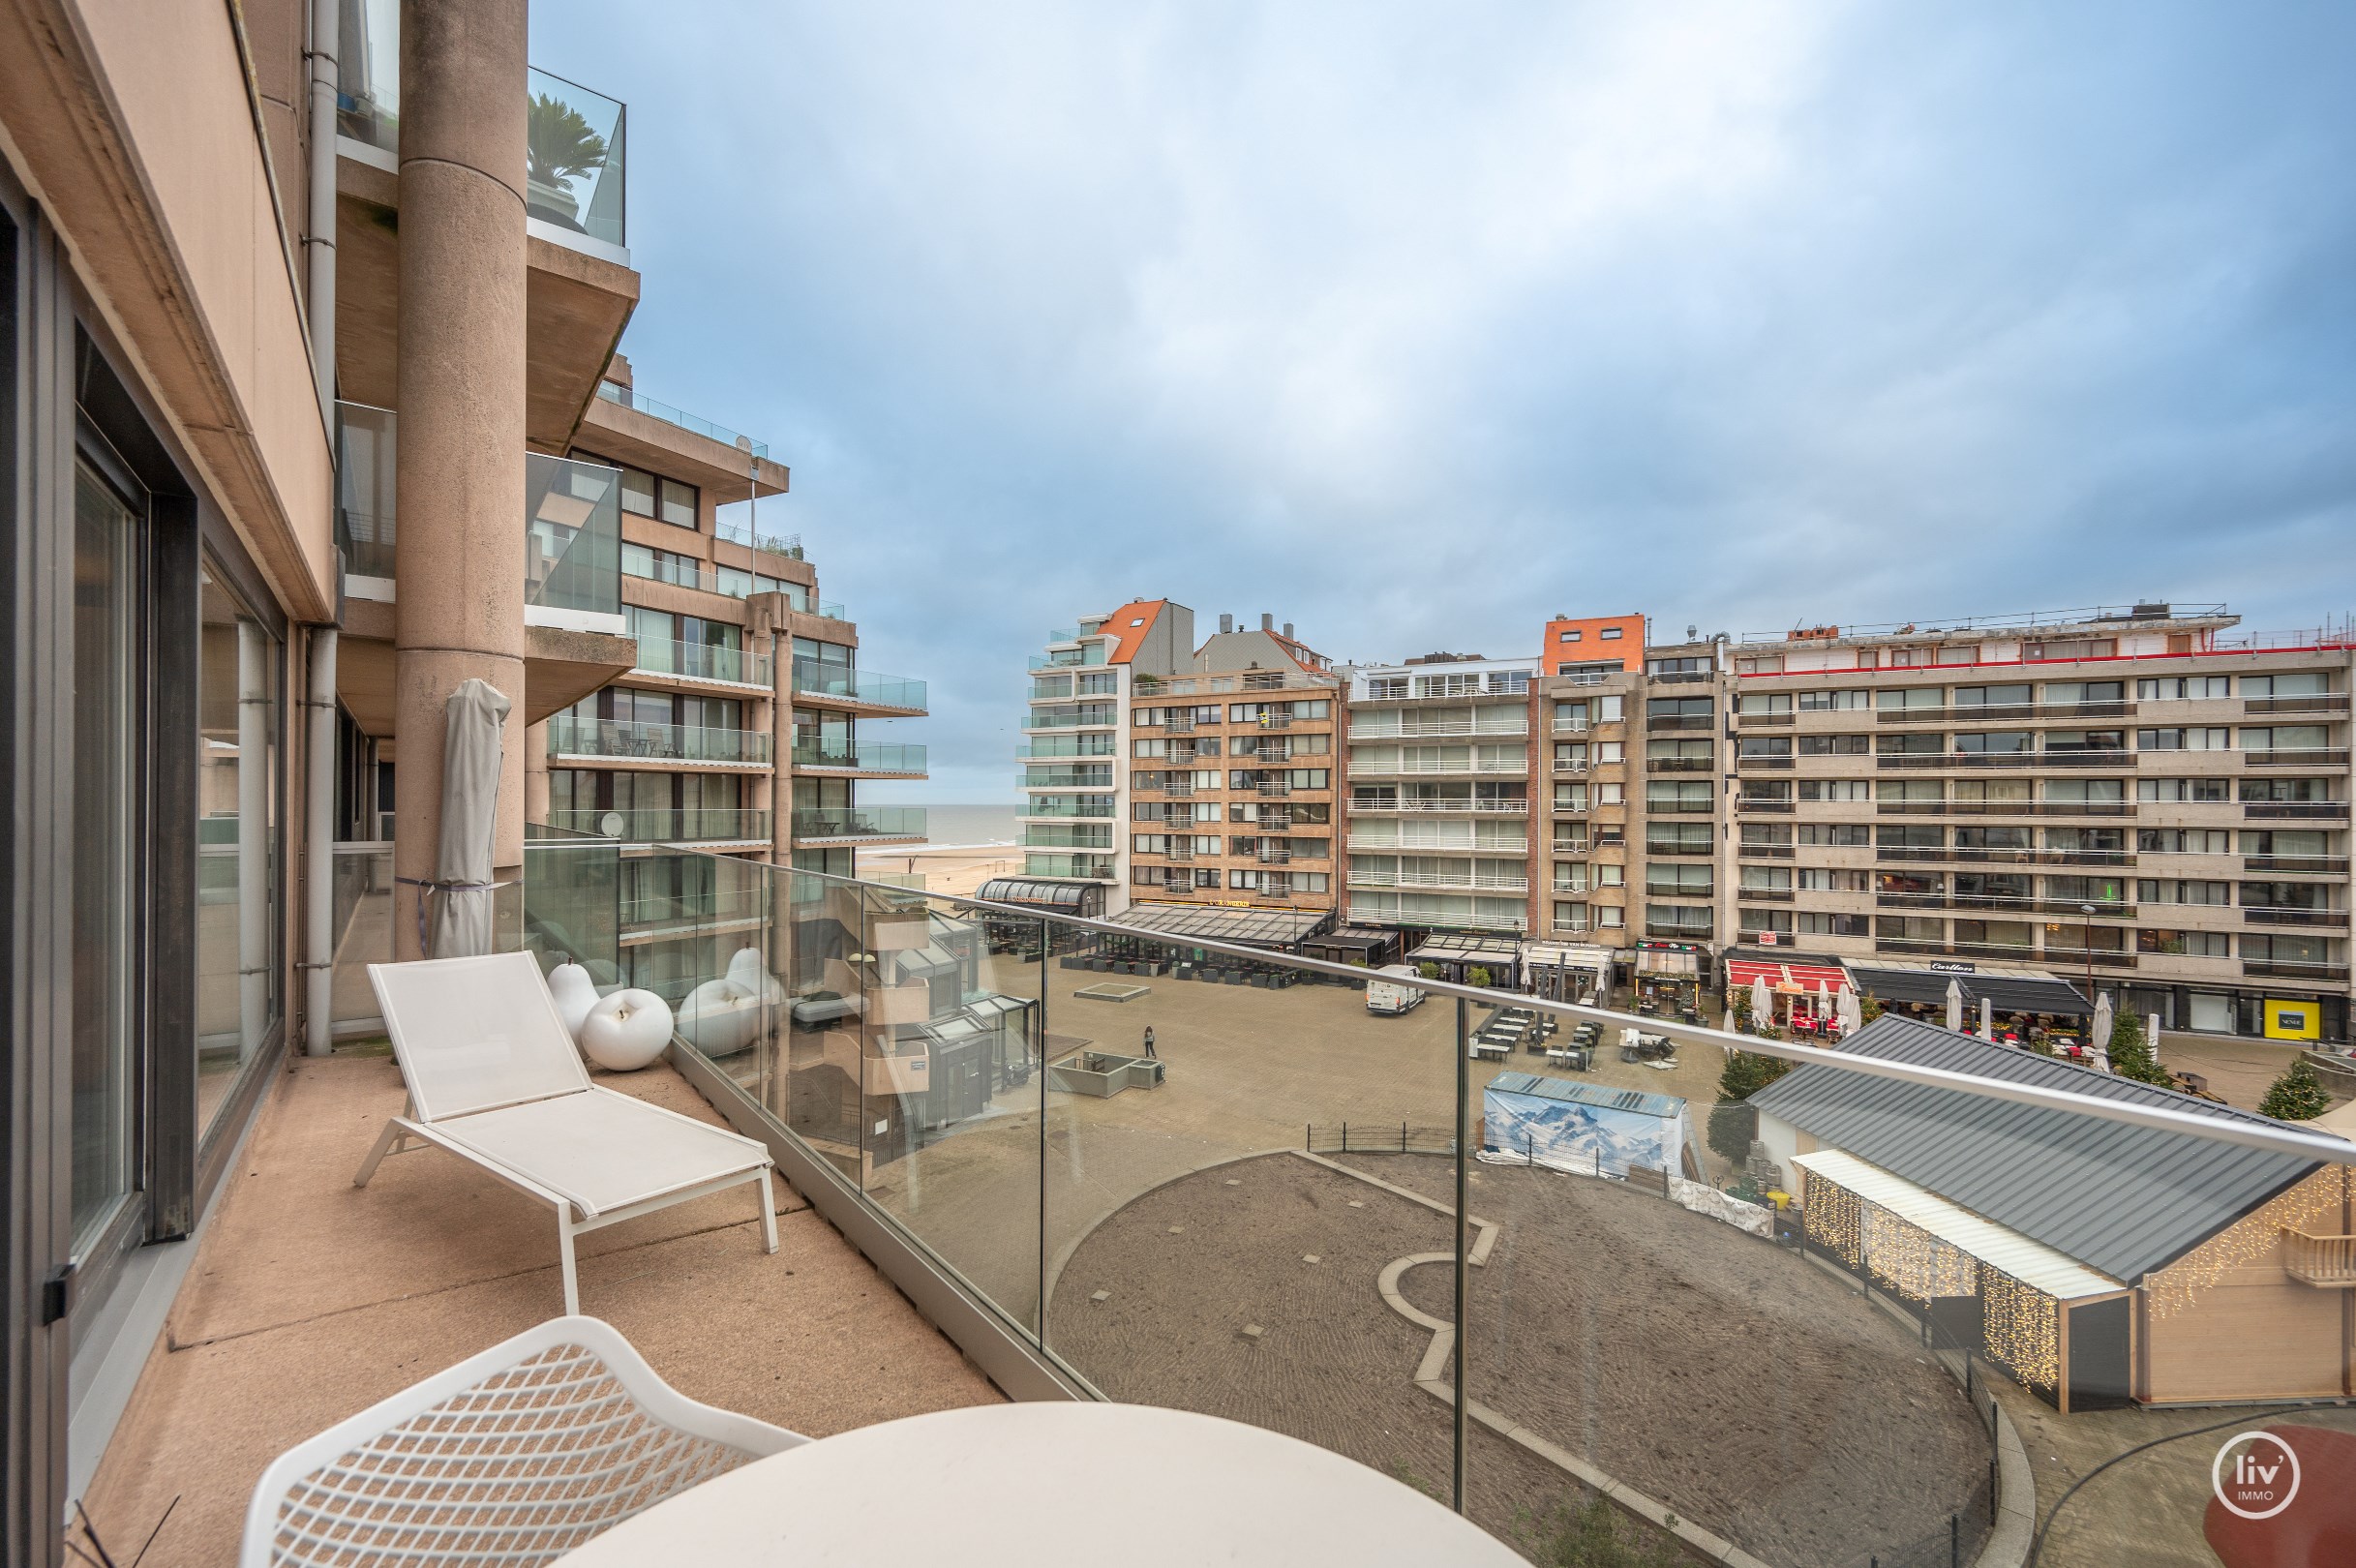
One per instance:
[(460, 553)]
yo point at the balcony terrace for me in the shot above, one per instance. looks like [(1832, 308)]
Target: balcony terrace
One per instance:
[(838, 824), (903, 1082), (823, 684), (859, 758)]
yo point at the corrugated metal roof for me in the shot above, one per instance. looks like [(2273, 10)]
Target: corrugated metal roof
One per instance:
[(1220, 923), (2123, 1200), (1587, 1094), (2032, 1263)]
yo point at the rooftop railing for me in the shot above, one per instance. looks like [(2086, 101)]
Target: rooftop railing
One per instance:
[(695, 423)]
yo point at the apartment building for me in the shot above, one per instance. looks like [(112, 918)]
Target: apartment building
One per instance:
[(737, 730), (1167, 772), (2138, 798), (1583, 701), (313, 414), (1439, 820)]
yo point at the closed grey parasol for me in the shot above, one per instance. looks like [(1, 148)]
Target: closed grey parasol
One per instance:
[(476, 716)]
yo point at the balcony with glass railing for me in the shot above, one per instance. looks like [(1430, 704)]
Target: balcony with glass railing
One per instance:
[(572, 524), (592, 740), (574, 137), (846, 684), (815, 824), (859, 755), (1608, 1312), (715, 662)]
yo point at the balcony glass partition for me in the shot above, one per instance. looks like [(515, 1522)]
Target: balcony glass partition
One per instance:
[(572, 885), (1758, 1298), (817, 677), (572, 550), (573, 171), (366, 449), (363, 932)]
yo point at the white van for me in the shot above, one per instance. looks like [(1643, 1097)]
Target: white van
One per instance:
[(1387, 991)]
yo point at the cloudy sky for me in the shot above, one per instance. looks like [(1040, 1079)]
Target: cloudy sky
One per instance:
[(1414, 324)]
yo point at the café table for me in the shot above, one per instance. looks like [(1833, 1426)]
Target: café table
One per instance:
[(1048, 1484)]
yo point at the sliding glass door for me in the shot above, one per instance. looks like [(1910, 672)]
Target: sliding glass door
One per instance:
[(107, 545)]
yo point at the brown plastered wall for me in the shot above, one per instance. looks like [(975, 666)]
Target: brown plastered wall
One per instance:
[(133, 127)]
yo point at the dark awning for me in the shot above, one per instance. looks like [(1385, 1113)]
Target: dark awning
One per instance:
[(2007, 990)]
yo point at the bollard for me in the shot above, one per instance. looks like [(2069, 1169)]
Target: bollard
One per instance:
[(1308, 1137), (1402, 1138), (1345, 1137)]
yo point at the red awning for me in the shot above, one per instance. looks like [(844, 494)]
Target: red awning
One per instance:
[(1743, 972)]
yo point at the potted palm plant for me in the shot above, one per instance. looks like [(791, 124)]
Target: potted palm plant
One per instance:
[(559, 147)]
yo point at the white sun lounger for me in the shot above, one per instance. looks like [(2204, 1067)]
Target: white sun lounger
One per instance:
[(495, 1078)]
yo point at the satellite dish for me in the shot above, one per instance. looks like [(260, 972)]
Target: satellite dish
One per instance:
[(611, 824)]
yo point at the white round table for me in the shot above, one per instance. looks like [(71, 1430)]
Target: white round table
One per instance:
[(1044, 1486)]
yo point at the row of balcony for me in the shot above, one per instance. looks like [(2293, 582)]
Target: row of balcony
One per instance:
[(2325, 705), (572, 738), (2252, 810), (1364, 841), (1469, 806), (1446, 880), (1404, 726)]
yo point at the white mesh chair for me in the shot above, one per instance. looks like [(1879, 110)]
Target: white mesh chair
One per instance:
[(494, 1078), (513, 1457)]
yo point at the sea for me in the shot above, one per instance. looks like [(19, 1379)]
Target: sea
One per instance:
[(974, 824)]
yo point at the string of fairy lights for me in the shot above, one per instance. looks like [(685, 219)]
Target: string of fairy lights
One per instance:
[(2254, 1239), (2022, 1327), (1912, 1261)]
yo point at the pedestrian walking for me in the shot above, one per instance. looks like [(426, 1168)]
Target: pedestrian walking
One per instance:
[(1149, 1044)]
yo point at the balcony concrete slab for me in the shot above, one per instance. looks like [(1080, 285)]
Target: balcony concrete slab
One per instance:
[(313, 1299)]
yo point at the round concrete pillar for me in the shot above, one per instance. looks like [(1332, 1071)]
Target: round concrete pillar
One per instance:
[(459, 554)]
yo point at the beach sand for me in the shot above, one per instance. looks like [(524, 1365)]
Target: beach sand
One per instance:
[(950, 869)]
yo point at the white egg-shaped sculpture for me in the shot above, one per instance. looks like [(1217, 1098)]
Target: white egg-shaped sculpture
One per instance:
[(575, 992), (625, 1031), (720, 1018), (745, 973)]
